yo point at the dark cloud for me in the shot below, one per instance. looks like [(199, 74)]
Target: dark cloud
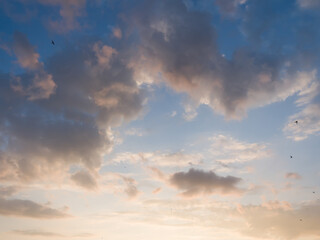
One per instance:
[(85, 179), (181, 44), (69, 12), (43, 137), (195, 182), (36, 83), (27, 208)]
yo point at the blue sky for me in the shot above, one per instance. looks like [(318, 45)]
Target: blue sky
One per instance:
[(173, 119)]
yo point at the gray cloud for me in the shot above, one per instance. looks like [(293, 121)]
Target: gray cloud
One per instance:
[(27, 208), (292, 175), (69, 12), (85, 179), (131, 189), (41, 138), (36, 83), (195, 182), (308, 4), (180, 43), (7, 191)]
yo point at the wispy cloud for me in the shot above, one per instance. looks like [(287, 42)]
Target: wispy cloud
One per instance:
[(226, 150), (158, 158)]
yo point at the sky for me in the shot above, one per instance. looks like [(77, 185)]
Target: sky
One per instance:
[(159, 119)]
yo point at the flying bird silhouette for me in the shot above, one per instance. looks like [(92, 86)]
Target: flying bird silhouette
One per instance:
[(52, 42), (291, 156), (296, 122)]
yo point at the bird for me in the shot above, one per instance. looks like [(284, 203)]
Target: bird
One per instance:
[(52, 42), (291, 156), (296, 122), (314, 192)]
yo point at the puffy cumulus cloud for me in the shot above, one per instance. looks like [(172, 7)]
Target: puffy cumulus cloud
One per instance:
[(197, 182), (229, 150), (162, 159), (277, 220), (69, 11), (36, 83), (293, 175), (27, 208), (42, 138), (85, 180), (180, 44), (308, 116)]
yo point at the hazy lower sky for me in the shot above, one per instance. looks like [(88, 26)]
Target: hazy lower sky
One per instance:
[(159, 119)]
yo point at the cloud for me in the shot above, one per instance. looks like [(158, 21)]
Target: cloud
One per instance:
[(279, 221), (173, 114), (36, 83), (27, 208), (308, 4), (190, 112), (293, 175), (308, 116), (162, 159), (38, 233), (120, 184), (157, 190), (181, 45), (41, 136), (41, 233), (69, 11), (135, 132), (7, 191), (85, 179), (117, 33), (309, 123), (229, 150), (27, 56), (131, 189), (197, 182), (229, 6)]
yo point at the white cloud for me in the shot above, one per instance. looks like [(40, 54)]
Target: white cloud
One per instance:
[(162, 159), (309, 115), (226, 150)]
